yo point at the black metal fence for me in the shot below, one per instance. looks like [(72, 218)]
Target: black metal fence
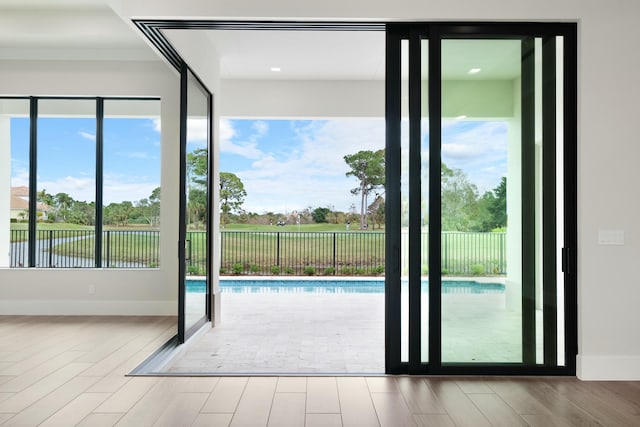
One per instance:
[(353, 253), (76, 249), (301, 253), (262, 252)]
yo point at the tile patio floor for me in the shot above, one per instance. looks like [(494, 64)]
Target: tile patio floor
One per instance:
[(336, 334)]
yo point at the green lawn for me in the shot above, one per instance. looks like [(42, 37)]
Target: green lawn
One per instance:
[(124, 247), (50, 226), (267, 249), (280, 251), (294, 227)]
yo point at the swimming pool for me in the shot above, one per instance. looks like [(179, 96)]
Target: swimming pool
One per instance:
[(338, 286)]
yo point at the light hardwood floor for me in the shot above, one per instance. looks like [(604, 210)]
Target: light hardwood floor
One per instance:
[(65, 371)]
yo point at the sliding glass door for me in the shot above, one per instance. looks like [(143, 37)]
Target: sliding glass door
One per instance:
[(195, 202), (481, 225)]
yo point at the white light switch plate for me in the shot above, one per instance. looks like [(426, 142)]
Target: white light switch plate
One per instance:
[(611, 237)]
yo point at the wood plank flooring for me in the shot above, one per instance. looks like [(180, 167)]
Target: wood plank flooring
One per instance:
[(67, 371)]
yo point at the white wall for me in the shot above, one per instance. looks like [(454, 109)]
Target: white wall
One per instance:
[(66, 291), (608, 152), (352, 98)]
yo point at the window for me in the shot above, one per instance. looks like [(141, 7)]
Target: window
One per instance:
[(91, 165)]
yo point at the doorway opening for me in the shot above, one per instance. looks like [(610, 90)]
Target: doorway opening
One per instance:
[(512, 87)]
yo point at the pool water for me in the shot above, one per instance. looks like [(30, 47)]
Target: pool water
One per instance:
[(231, 286)]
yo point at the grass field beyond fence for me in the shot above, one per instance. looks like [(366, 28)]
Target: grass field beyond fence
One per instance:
[(281, 252), (353, 253)]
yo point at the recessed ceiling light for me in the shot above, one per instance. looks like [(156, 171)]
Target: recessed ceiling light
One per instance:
[(275, 69), (474, 71)]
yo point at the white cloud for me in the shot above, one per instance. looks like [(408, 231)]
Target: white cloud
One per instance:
[(87, 135), (157, 125), (314, 173), (247, 149), (227, 132), (197, 131), (80, 188), (260, 127), (19, 177), (116, 191), (480, 151), (116, 188)]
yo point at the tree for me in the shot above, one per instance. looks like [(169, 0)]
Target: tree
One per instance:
[(198, 167), (499, 207), (232, 194), (368, 167), (63, 203), (82, 213), (376, 211), (493, 207), (459, 200), (118, 213), (320, 215), (149, 209), (46, 198), (197, 206)]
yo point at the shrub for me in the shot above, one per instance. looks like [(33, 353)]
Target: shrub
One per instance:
[(477, 269), (309, 270), (254, 268), (360, 271), (329, 271), (237, 268), (444, 271), (378, 270), (223, 270), (275, 270), (289, 270), (346, 271), (193, 270)]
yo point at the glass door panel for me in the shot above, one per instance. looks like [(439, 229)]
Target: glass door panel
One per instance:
[(485, 196), (481, 168), (424, 200), (195, 279), (404, 191)]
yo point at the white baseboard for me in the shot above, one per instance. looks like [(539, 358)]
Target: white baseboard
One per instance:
[(612, 368), (88, 308)]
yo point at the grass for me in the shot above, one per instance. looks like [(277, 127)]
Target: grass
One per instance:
[(294, 227), (298, 251), (64, 226), (267, 249), (51, 226), (128, 247)]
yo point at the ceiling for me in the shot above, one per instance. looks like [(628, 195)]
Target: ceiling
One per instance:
[(89, 29), (325, 55), (67, 30), (348, 55)]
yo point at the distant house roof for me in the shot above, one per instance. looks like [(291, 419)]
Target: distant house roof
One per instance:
[(20, 200)]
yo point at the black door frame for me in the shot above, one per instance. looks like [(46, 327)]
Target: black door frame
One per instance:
[(435, 33), (185, 333)]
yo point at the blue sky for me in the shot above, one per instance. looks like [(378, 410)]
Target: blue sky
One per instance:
[(289, 165), (285, 165), (66, 157)]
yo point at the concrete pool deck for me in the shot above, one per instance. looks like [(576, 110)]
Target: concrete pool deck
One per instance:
[(290, 333), (324, 333)]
